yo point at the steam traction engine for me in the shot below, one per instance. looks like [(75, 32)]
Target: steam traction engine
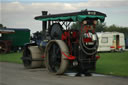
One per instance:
[(62, 47)]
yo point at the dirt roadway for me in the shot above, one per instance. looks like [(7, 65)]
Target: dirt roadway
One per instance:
[(15, 74)]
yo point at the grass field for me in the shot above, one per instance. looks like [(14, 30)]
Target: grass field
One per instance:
[(109, 63), (113, 64), (11, 57)]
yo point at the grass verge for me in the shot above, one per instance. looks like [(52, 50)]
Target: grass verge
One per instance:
[(11, 57), (109, 63), (113, 64)]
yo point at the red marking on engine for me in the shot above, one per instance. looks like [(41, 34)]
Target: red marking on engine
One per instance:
[(87, 40), (74, 35), (70, 57), (43, 56), (97, 57)]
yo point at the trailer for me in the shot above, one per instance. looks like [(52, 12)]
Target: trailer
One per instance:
[(5, 45), (15, 38), (111, 41), (62, 48)]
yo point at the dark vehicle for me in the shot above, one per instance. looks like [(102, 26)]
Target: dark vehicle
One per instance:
[(126, 43), (61, 48), (12, 41)]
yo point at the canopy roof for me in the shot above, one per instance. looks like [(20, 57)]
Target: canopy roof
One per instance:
[(75, 16)]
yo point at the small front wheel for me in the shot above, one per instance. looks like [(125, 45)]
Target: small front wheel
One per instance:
[(32, 57)]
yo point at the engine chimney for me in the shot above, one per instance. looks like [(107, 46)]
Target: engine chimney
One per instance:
[(44, 23)]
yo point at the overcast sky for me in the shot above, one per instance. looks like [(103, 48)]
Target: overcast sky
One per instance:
[(21, 13)]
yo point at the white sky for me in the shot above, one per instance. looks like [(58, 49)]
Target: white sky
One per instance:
[(21, 13)]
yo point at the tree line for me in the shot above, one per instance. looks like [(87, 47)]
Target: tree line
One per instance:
[(112, 28), (102, 27), (2, 26)]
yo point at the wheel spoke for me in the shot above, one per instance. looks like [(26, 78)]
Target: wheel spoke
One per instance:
[(54, 50), (54, 57)]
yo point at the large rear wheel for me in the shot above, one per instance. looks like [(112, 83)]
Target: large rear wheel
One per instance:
[(55, 60)]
